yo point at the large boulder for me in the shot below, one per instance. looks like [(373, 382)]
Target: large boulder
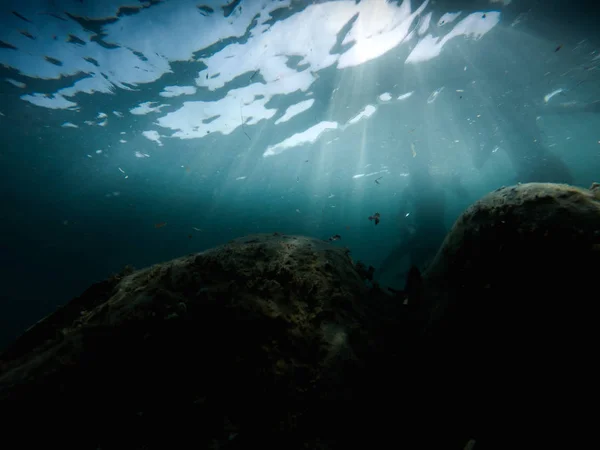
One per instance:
[(512, 300), (251, 343), (518, 244)]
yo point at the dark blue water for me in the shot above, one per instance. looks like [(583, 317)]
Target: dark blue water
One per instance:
[(502, 93)]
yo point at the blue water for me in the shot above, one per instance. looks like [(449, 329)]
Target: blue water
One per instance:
[(102, 165)]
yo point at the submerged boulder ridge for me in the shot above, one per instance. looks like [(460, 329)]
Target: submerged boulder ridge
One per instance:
[(280, 342)]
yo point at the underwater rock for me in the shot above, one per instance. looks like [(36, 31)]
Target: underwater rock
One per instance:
[(240, 344), (513, 297), (526, 239)]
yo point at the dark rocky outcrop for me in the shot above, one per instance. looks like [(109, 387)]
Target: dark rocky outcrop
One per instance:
[(276, 341), (530, 243), (246, 342), (513, 296)]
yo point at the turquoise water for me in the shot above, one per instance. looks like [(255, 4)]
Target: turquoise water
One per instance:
[(135, 132)]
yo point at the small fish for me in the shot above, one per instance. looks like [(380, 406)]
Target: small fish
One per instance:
[(197, 229), (335, 237), (160, 224), (376, 217), (558, 48), (377, 180)]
